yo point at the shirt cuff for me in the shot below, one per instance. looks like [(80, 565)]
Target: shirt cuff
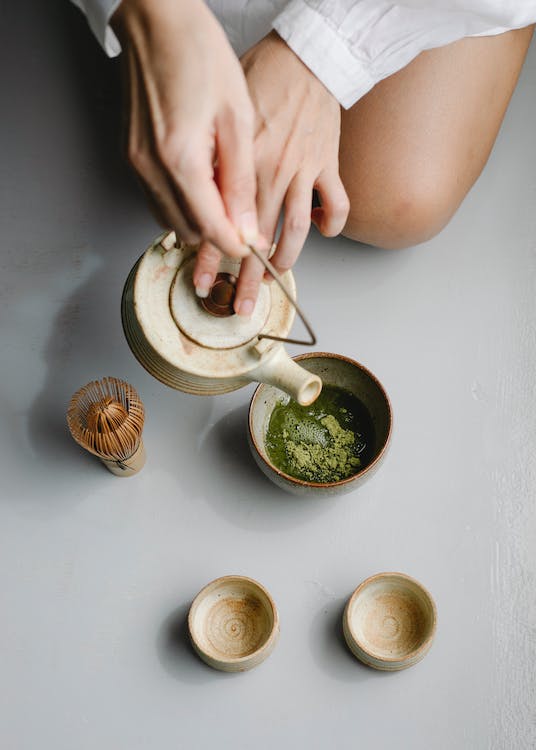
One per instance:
[(319, 47), (98, 14), (350, 45)]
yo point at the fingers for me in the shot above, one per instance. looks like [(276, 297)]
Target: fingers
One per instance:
[(236, 171), (330, 219), (174, 157), (331, 216), (206, 268), (270, 195), (189, 168), (296, 226), (161, 196), (141, 157), (249, 281), (296, 222)]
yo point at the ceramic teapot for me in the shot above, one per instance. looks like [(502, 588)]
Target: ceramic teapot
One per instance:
[(200, 346)]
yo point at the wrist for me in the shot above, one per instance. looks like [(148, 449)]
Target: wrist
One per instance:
[(135, 13), (291, 66), (123, 15)]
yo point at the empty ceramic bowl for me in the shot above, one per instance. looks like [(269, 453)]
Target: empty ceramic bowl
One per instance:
[(389, 621), (233, 624), (340, 372)]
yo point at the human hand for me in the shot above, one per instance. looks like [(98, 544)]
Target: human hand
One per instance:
[(189, 110), (297, 133)]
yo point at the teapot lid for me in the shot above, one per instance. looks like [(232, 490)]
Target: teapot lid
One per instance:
[(171, 331), (211, 324)]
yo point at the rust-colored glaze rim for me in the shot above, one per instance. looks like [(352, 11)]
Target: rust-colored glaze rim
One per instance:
[(266, 646), (221, 296), (340, 482), (412, 655)]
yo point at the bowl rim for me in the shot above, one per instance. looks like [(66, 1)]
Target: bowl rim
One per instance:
[(266, 646), (411, 655), (340, 482)]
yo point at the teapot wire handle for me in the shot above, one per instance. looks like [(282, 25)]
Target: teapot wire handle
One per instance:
[(276, 277)]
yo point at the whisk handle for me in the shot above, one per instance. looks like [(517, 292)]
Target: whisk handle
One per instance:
[(129, 466)]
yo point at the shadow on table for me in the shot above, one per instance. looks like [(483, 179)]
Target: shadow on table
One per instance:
[(83, 340), (329, 649), (105, 226), (176, 653), (238, 490)]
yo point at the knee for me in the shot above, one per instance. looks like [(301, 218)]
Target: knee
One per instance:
[(399, 216)]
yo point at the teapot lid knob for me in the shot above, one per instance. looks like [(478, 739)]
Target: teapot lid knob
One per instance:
[(220, 299)]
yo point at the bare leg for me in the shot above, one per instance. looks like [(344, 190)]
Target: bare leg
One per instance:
[(413, 147)]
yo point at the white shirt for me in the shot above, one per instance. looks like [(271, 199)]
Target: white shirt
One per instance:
[(349, 45)]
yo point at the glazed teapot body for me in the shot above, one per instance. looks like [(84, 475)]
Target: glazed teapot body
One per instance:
[(188, 347)]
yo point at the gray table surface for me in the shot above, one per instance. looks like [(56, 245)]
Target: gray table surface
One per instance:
[(97, 573)]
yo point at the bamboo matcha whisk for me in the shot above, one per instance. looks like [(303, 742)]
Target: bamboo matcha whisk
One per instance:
[(106, 418)]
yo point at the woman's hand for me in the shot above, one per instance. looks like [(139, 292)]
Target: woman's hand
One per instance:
[(297, 128), (190, 124)]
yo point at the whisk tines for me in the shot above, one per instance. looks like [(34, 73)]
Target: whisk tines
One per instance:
[(106, 418)]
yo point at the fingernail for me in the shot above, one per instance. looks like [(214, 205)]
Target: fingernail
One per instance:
[(245, 307), (248, 227), (203, 285)]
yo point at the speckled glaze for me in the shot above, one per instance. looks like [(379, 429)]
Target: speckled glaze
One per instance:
[(333, 369), (233, 624), (390, 621), (183, 346)]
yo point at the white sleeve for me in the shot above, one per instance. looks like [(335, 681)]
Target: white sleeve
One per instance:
[(350, 45), (98, 14)]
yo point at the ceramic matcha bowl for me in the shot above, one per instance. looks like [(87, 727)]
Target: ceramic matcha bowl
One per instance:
[(233, 624), (337, 372), (389, 622)]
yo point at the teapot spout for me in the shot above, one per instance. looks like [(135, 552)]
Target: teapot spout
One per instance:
[(282, 372)]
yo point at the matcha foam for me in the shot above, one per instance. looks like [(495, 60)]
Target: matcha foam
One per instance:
[(324, 442), (327, 459)]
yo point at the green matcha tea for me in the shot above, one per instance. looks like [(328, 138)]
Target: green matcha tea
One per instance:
[(327, 441)]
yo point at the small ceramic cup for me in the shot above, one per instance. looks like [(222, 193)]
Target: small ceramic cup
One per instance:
[(335, 370), (233, 624), (389, 621)]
